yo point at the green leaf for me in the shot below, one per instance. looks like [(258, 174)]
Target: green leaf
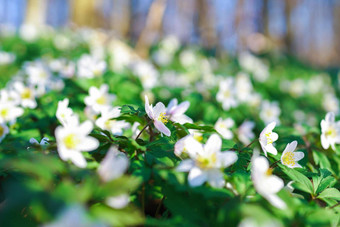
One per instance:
[(301, 181), (332, 193)]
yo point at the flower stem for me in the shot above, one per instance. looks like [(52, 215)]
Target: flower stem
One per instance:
[(140, 133)]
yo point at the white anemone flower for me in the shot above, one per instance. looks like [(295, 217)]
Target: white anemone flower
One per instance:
[(106, 121), (9, 112), (227, 94), (207, 162), (266, 184), (113, 166), (186, 145), (245, 132), (64, 113), (99, 99), (90, 67), (270, 111), (330, 131), (73, 139), (267, 138), (43, 142), (176, 112), (223, 126), (158, 115), (26, 94), (3, 131), (290, 158)]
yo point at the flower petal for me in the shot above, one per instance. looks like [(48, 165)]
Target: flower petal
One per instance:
[(162, 128), (276, 201), (185, 165), (226, 159), (298, 155), (196, 177), (213, 144)]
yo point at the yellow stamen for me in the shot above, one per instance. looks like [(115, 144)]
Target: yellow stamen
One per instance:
[(206, 162), (288, 159), (226, 93), (269, 171), (101, 100), (269, 139), (163, 118), (71, 141), (331, 132), (26, 93), (4, 112), (198, 137)]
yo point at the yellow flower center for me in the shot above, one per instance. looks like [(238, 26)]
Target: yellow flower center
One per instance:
[(269, 139), (206, 162), (109, 124), (163, 118), (71, 141), (2, 130), (43, 75), (101, 100), (4, 112), (331, 132), (26, 93), (198, 137), (269, 172), (288, 159), (226, 93)]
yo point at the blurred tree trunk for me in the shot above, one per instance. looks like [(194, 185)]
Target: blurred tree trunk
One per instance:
[(336, 31), (206, 23), (120, 17), (152, 27), (265, 22), (36, 12), (289, 6), (87, 13), (239, 29)]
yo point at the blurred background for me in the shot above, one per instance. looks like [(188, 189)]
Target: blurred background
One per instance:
[(307, 29)]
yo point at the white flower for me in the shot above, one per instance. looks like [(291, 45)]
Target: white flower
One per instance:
[(270, 111), (89, 67), (43, 142), (330, 103), (3, 131), (289, 157), (186, 145), (106, 122), (38, 74), (118, 202), (223, 126), (9, 96), (206, 162), (267, 138), (245, 132), (158, 115), (74, 216), (135, 130), (26, 94), (9, 112), (266, 184), (244, 87), (73, 139), (64, 113), (146, 72), (99, 99), (226, 94), (254, 65), (330, 131), (176, 112), (113, 165), (6, 58)]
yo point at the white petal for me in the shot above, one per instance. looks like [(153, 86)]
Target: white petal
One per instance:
[(273, 184), (185, 165), (181, 108), (298, 155), (274, 136), (148, 108), (85, 128), (162, 128), (171, 105), (196, 177), (276, 201), (88, 144), (324, 142), (118, 202), (260, 164), (271, 149), (226, 159), (158, 109), (213, 144), (215, 178), (330, 117), (78, 159)]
